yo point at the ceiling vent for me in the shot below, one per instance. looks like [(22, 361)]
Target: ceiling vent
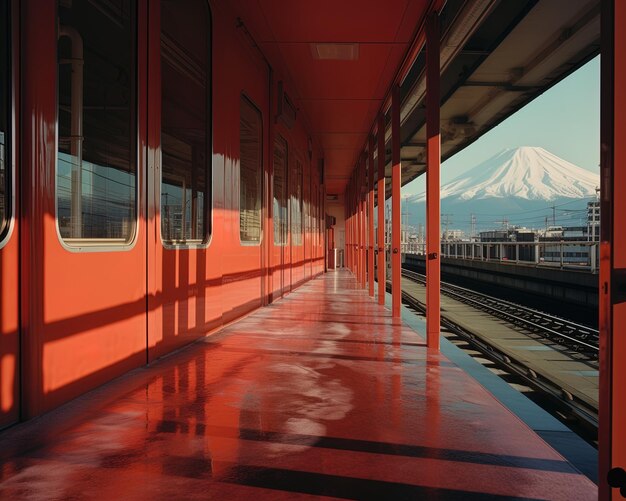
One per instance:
[(335, 51)]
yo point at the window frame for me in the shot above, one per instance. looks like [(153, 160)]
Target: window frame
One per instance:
[(285, 193), (101, 244), (299, 174), (252, 243), (209, 203), (10, 133)]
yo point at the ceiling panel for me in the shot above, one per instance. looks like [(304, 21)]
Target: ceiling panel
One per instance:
[(349, 141), (340, 115), (332, 79), (334, 20)]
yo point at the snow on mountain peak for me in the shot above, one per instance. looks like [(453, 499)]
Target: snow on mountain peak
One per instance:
[(526, 172)]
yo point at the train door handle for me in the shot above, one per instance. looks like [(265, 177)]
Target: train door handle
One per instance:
[(617, 479)]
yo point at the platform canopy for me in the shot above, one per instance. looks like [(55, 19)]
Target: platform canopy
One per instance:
[(343, 56)]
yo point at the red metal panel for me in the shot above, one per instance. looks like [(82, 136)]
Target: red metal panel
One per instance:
[(199, 289), (618, 213), (396, 178), (433, 207), (382, 272), (9, 259), (612, 312), (268, 196), (370, 217), (85, 320)]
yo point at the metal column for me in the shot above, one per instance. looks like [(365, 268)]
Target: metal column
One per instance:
[(433, 166), (370, 217), (350, 257), (362, 205), (346, 212), (612, 313), (396, 173), (355, 227), (382, 272)]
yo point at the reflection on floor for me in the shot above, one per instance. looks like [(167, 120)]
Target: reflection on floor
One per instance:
[(318, 395)]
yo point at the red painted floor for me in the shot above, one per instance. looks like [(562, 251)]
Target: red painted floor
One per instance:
[(318, 396)]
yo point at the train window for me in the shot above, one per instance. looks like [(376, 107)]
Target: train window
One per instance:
[(296, 204), (280, 190), (96, 159), (250, 166), (4, 117), (185, 121)]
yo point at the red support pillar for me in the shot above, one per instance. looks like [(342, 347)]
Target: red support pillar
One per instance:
[(382, 271), (362, 204), (348, 212), (396, 173), (352, 235), (353, 227), (362, 187), (612, 312), (357, 228), (433, 167), (370, 217)]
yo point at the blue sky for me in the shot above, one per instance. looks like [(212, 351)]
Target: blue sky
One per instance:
[(565, 120)]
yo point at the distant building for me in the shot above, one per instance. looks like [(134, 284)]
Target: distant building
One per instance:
[(510, 252), (453, 235), (593, 220), (563, 247)]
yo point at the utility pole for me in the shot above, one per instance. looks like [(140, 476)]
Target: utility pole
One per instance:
[(405, 230), (446, 223), (504, 223), (420, 235), (554, 215), (473, 226)]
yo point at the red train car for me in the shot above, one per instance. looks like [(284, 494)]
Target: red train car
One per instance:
[(161, 182)]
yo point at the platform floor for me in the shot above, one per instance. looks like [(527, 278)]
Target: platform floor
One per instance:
[(321, 395)]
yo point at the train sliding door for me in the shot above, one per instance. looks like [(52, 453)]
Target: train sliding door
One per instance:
[(184, 272), (84, 244), (9, 250)]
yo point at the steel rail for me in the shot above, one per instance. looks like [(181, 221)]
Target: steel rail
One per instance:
[(576, 338), (569, 404)]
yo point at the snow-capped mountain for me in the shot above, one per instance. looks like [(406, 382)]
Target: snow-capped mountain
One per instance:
[(527, 186), (530, 173)]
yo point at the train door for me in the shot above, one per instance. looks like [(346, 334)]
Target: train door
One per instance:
[(184, 272), (83, 272), (280, 216), (9, 248)]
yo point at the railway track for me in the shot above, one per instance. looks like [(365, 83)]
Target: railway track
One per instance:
[(577, 341)]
